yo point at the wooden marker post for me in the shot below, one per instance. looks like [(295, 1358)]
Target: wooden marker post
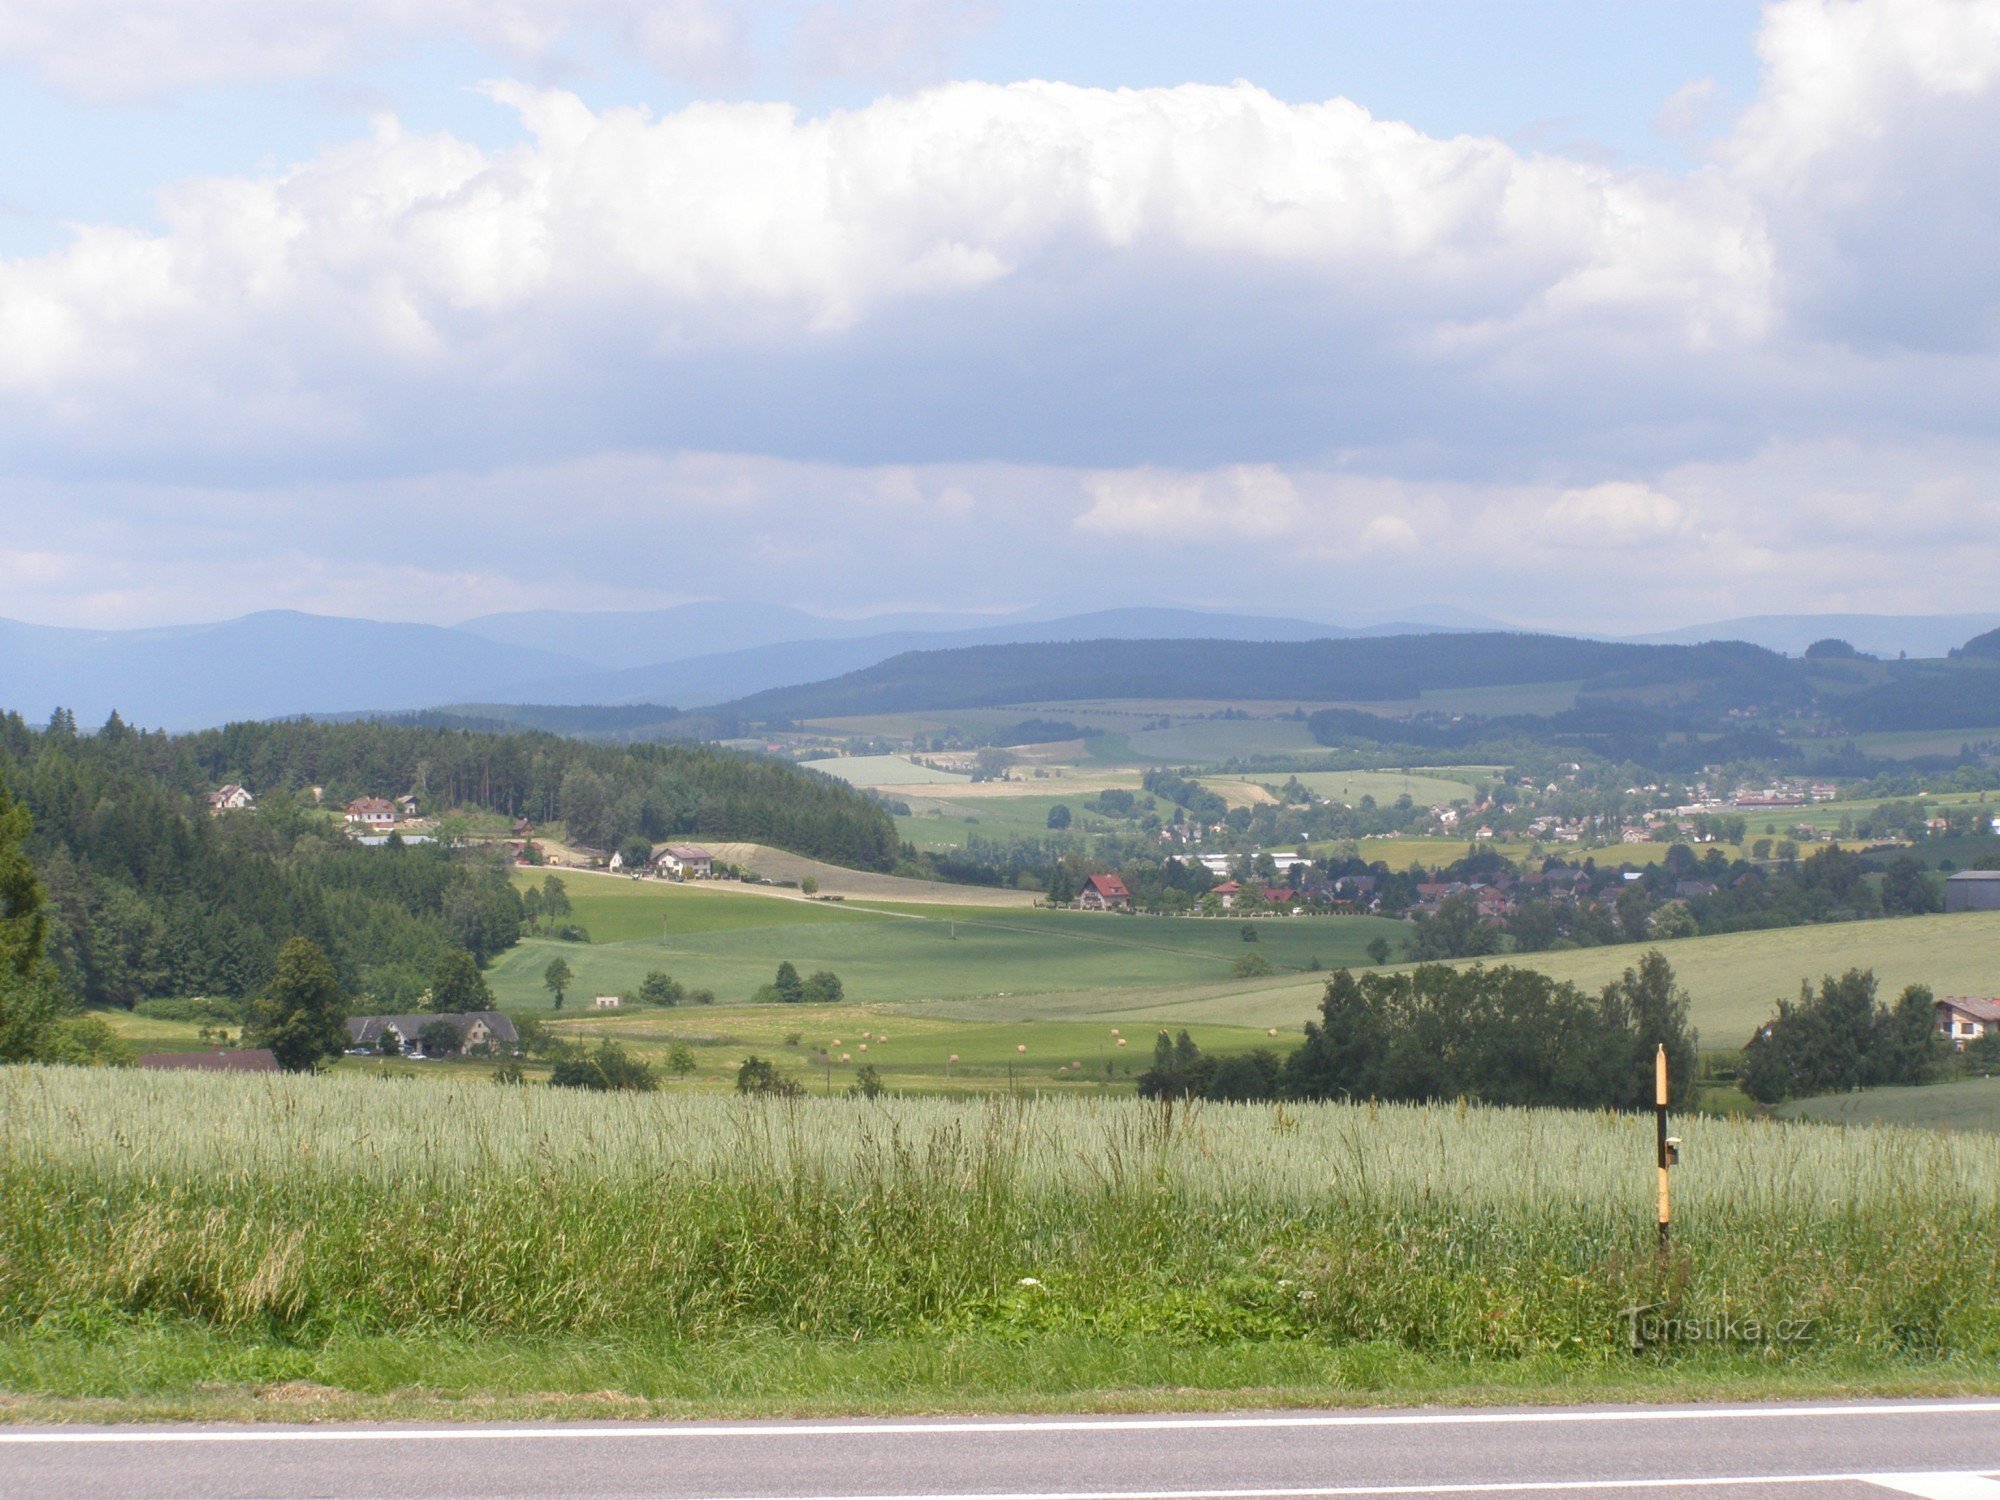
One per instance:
[(1660, 1133)]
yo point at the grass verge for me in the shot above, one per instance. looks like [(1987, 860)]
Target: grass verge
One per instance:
[(179, 1373)]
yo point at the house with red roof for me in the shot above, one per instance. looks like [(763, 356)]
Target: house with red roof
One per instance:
[(1963, 1017), (1104, 893)]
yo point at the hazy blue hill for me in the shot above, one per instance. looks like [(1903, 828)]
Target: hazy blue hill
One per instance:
[(1356, 669), (259, 666), (1878, 635), (727, 675)]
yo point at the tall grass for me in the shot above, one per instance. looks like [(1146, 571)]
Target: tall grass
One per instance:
[(303, 1207)]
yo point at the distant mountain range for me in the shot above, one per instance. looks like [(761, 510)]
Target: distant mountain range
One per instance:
[(278, 663)]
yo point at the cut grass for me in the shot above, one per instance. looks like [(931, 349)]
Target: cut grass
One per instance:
[(912, 1052), (1384, 786), (883, 771)]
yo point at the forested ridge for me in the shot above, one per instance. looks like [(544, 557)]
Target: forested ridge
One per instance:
[(601, 793), (150, 897)]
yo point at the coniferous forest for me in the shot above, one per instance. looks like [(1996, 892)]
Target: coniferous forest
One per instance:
[(148, 896)]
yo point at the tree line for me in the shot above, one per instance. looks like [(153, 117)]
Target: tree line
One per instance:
[(1498, 1035)]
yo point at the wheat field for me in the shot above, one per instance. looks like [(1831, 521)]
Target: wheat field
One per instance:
[(308, 1206)]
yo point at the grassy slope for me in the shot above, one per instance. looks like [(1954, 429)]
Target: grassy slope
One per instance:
[(1964, 1104), (1735, 979), (884, 771), (910, 953)]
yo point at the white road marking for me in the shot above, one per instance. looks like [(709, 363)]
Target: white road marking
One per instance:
[(1940, 1486), (975, 1428)]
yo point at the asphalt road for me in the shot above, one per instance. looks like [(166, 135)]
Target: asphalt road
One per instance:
[(1948, 1450)]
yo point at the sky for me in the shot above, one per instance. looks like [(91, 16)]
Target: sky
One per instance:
[(1601, 316)]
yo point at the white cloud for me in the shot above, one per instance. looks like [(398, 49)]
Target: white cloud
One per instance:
[(123, 49), (1619, 513), (1256, 501), (998, 336)]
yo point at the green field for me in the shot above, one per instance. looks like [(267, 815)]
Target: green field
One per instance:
[(273, 1245), (1199, 741), (882, 952), (1735, 979), (1384, 786), (884, 770), (620, 909), (1963, 1104), (913, 1051), (938, 823)]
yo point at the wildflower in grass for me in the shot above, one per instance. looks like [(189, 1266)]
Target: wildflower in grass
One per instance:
[(1029, 1281)]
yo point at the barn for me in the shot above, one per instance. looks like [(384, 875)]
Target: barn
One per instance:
[(1973, 890)]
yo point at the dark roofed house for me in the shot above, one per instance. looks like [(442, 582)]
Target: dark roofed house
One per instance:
[(1104, 893), (476, 1028), (246, 1060)]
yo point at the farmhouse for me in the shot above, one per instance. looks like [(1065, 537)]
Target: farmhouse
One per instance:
[(1104, 893), (1973, 890), (686, 860), (478, 1028), (606, 1002), (249, 1060), (231, 798), (372, 812), (1963, 1017)]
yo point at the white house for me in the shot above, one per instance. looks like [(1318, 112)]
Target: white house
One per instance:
[(231, 798), (605, 1002), (687, 860), (372, 812)]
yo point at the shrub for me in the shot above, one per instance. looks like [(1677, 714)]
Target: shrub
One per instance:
[(608, 1069), (757, 1076)]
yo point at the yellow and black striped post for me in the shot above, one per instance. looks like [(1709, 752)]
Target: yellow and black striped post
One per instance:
[(1660, 1132)]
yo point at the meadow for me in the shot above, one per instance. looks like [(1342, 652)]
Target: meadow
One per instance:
[(939, 823), (1962, 1104), (336, 1228), (884, 771), (883, 951), (1426, 788), (1734, 979), (913, 1050)]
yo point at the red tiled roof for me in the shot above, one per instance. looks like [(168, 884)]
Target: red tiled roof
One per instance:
[(1109, 886)]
